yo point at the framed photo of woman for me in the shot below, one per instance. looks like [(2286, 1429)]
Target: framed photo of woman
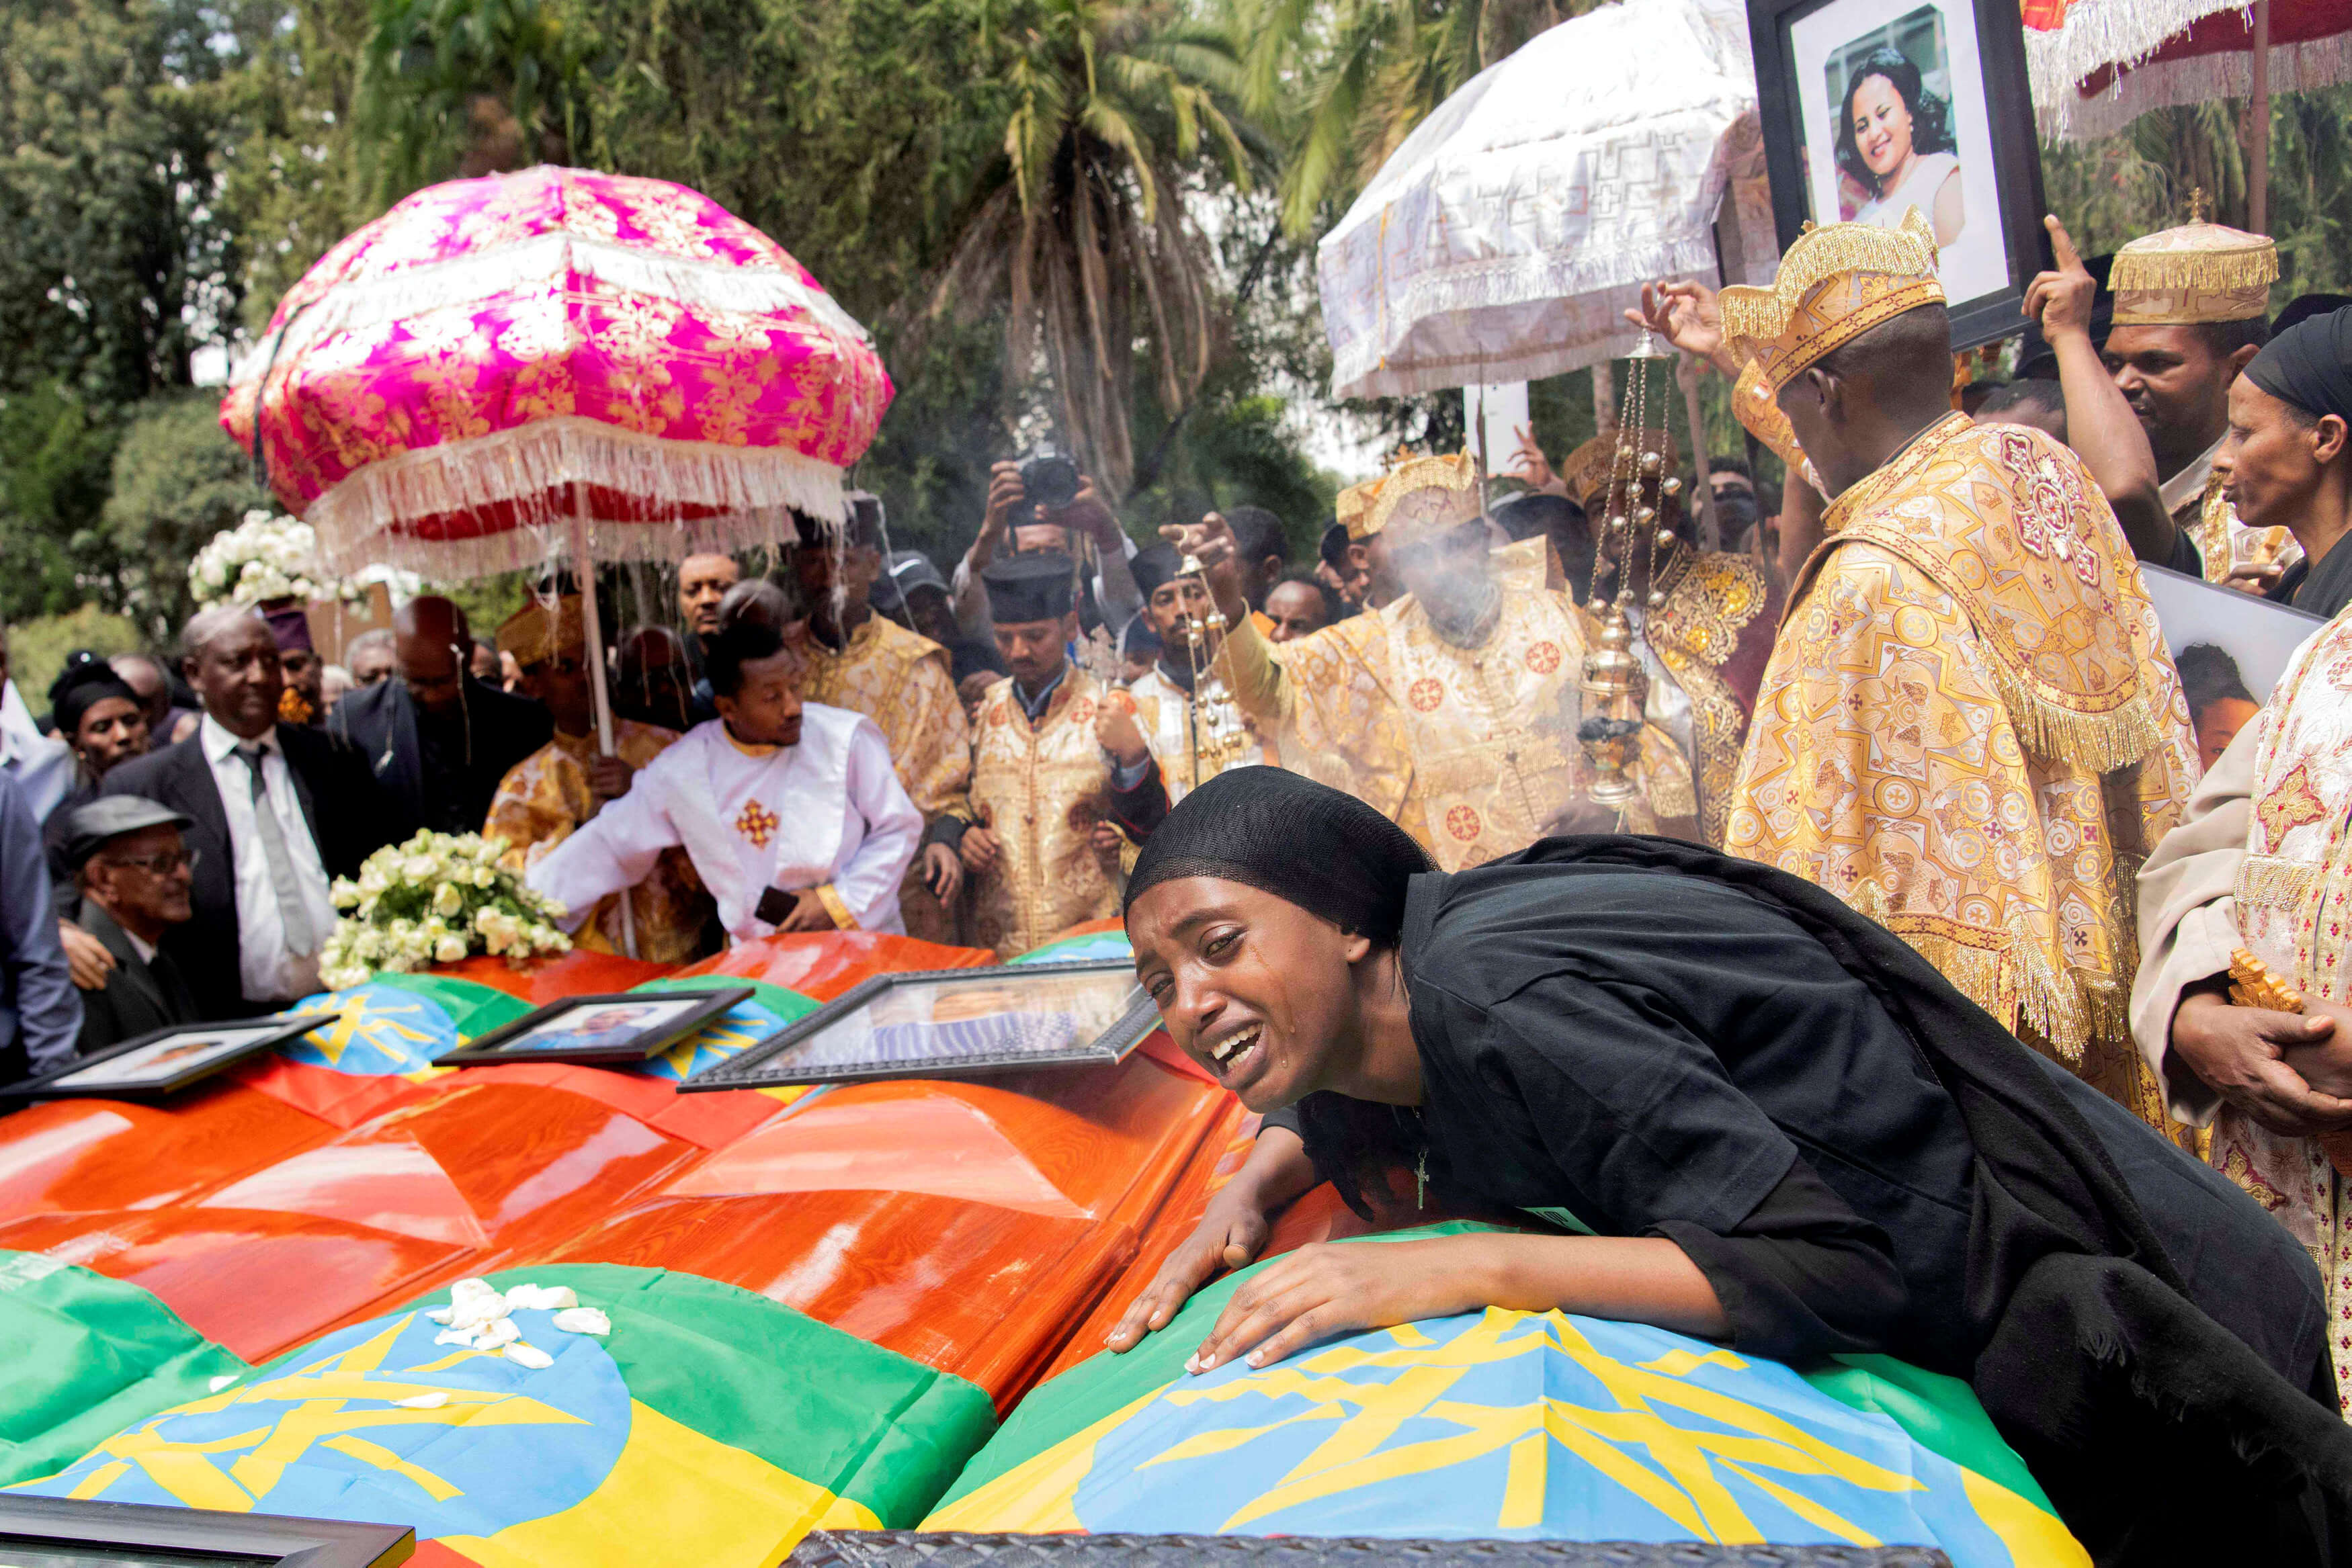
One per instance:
[(1870, 108)]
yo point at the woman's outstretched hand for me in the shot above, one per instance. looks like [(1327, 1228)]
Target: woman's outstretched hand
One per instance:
[(1328, 1289), (1231, 1233)]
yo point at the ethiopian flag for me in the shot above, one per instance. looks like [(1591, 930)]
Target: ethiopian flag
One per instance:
[(87, 1355), (709, 1425), (1529, 1426)]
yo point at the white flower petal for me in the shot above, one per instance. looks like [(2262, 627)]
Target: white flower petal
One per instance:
[(542, 1298), (528, 1355), (583, 1320), (433, 1401), (223, 1381)]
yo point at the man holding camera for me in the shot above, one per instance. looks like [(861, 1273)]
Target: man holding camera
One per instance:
[(1046, 503)]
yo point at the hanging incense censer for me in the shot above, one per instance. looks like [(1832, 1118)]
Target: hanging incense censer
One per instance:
[(1615, 686)]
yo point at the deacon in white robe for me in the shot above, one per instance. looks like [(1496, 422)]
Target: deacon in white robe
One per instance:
[(791, 811)]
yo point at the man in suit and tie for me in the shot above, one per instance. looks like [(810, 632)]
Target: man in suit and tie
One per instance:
[(438, 739), (276, 809), (133, 870)]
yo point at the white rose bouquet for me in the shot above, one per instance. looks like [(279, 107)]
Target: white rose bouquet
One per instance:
[(435, 900), (270, 556)]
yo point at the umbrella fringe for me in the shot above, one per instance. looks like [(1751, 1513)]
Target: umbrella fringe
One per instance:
[(2099, 33), (2200, 79), (749, 494), (526, 268)]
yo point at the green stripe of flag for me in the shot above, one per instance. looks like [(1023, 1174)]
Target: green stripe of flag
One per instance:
[(86, 1356), (474, 1008)]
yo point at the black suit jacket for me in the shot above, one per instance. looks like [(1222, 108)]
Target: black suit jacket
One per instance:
[(139, 997), (351, 817), (381, 721)]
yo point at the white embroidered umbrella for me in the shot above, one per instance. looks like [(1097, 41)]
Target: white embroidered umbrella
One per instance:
[(1503, 241)]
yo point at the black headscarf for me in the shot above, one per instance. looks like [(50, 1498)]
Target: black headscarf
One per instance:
[(2310, 365), (1268, 828), (82, 689)]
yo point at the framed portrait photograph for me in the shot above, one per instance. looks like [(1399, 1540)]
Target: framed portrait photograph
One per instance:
[(1870, 108), (69, 1532), (622, 1027), (166, 1061), (945, 1023), (2231, 647)]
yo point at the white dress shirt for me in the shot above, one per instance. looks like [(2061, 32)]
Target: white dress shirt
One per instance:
[(267, 972)]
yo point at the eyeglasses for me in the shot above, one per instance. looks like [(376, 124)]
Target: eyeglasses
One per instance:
[(159, 865)]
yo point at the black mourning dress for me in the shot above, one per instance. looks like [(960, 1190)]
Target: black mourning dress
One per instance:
[(1649, 1039)]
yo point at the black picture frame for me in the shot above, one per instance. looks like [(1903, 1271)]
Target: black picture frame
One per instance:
[(57, 1084), (2007, 104), (134, 1530), (642, 1045), (768, 1063)]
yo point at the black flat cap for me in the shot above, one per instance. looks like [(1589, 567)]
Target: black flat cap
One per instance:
[(111, 817)]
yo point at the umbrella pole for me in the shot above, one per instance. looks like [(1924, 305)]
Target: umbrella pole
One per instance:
[(2258, 126), (585, 571)]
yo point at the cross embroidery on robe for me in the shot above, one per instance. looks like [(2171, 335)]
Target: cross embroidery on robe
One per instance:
[(757, 823)]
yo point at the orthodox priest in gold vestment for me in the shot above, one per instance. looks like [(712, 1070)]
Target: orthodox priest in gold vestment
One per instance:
[(2262, 869), (901, 680), (553, 792), (1453, 709), (1969, 728), (1045, 791)]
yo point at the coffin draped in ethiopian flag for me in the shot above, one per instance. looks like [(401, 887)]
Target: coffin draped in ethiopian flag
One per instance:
[(709, 1427), (1509, 1424)]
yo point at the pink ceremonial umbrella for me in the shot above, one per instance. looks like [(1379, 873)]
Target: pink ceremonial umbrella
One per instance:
[(501, 370)]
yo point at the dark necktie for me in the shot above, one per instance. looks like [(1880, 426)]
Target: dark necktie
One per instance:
[(292, 912)]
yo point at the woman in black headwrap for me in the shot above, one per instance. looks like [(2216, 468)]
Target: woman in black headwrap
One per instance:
[(2287, 458), (101, 718), (1739, 1109)]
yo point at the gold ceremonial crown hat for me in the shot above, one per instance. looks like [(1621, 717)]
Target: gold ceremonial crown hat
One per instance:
[(1588, 470), (1834, 283), (1425, 496), (1354, 505), (533, 633), (2200, 271)]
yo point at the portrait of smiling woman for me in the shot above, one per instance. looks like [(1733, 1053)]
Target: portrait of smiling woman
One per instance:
[(1896, 147), (1716, 1100)]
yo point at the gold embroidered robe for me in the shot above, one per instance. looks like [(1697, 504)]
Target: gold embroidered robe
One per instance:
[(2263, 861), (900, 680), (545, 797), (1712, 636), (1042, 789), (1970, 731), (1470, 750)]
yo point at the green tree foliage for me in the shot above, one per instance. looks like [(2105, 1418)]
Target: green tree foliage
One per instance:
[(465, 87), (2140, 180), (38, 647), (175, 482), (1350, 79), (1111, 114)]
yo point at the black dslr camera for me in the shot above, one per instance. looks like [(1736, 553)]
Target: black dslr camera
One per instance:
[(1050, 480)]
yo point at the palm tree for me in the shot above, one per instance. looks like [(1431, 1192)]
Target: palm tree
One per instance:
[(463, 87), (1365, 72), (1114, 113)]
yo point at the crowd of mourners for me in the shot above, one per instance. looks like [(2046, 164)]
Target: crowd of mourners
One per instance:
[(1966, 975)]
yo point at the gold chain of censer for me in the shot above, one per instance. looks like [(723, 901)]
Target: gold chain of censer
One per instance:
[(1615, 686), (1217, 733)]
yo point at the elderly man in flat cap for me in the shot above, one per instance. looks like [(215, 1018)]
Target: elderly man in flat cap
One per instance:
[(134, 872)]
